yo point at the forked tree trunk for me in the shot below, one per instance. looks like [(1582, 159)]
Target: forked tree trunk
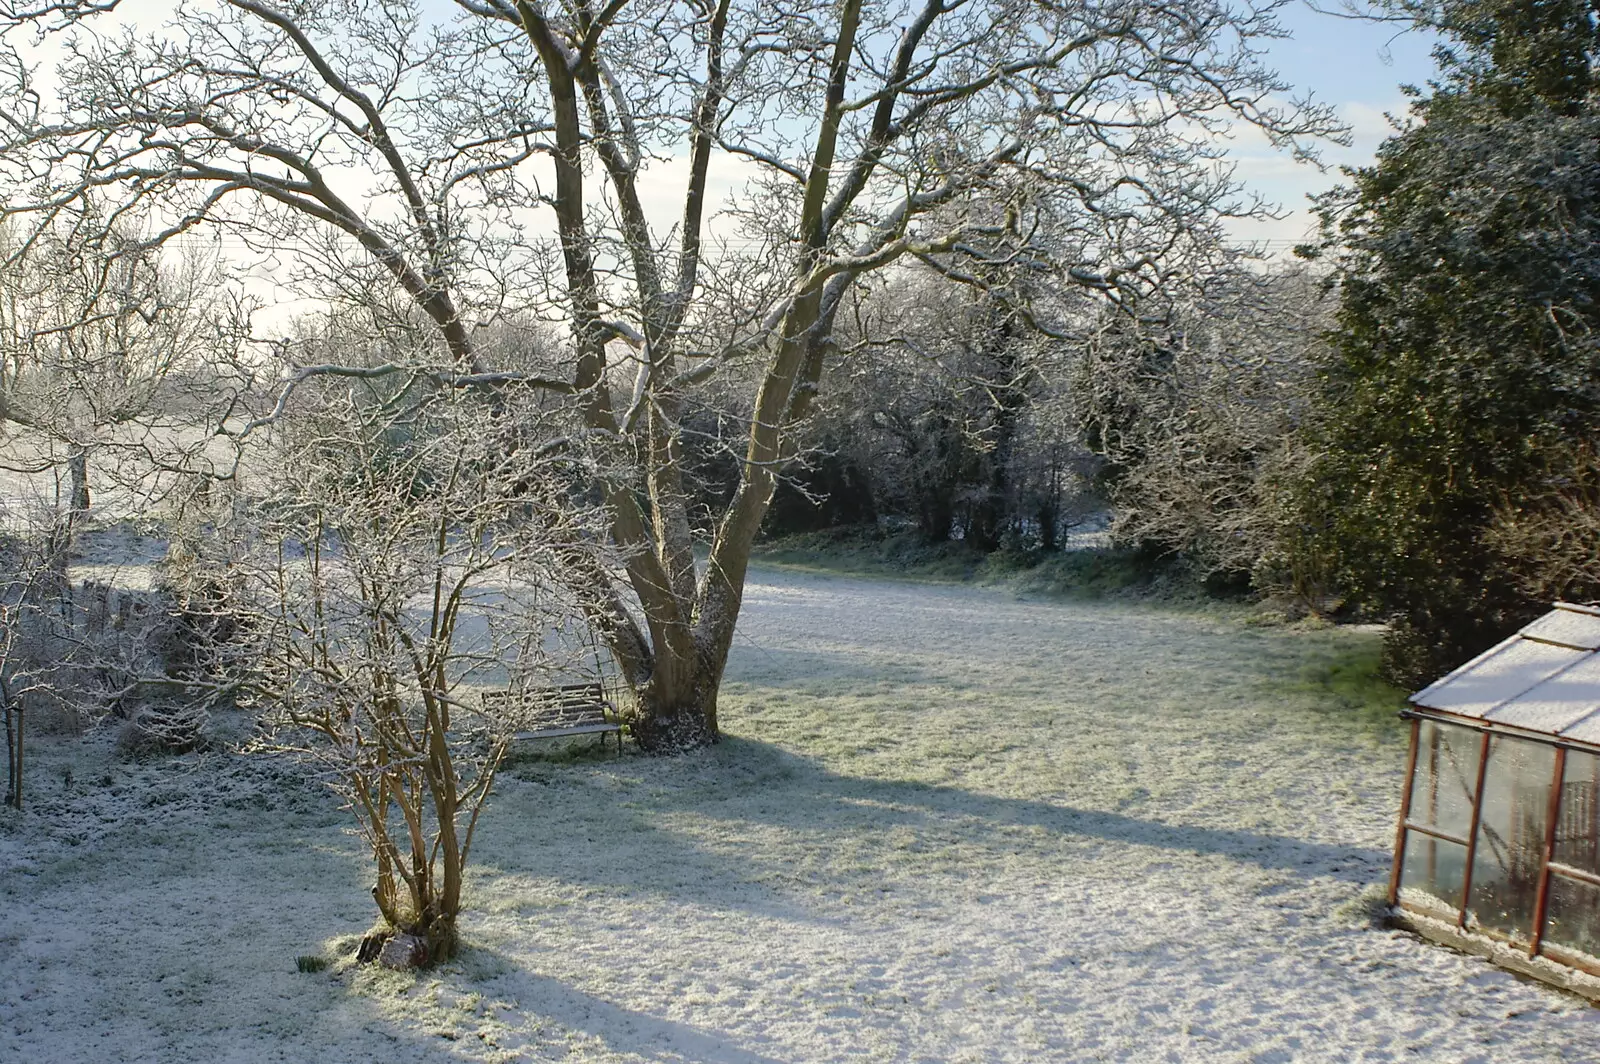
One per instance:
[(425, 903), (677, 707), (439, 933), (676, 671)]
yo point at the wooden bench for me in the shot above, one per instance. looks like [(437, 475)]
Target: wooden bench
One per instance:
[(552, 712)]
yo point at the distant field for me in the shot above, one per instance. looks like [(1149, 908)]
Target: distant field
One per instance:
[(946, 825), (130, 468)]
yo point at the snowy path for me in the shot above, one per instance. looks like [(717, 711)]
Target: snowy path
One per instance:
[(947, 826)]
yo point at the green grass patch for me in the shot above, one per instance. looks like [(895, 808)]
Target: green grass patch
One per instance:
[(1349, 683), (1091, 573), (563, 750), (871, 551)]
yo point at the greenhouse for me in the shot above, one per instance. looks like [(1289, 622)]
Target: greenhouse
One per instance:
[(1498, 846)]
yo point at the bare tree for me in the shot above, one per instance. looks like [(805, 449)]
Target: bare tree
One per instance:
[(869, 132), (1549, 534), (99, 338), (1197, 404), (28, 571)]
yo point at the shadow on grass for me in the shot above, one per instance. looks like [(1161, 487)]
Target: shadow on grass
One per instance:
[(633, 837), (822, 797), (541, 1000)]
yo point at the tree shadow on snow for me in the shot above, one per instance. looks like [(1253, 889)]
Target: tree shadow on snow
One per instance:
[(533, 1015), (542, 1001), (822, 798), (630, 839)]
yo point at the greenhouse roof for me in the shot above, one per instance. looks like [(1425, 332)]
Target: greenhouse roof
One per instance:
[(1546, 678)]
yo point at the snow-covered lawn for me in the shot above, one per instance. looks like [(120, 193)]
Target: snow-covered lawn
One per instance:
[(946, 825)]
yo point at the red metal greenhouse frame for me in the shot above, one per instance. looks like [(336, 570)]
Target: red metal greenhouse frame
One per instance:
[(1490, 921)]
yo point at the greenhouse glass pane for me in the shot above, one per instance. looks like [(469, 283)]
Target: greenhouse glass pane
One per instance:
[(1431, 876), (1511, 836), (1573, 918), (1578, 831), (1447, 772)]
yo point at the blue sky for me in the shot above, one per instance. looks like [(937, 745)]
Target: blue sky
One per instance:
[(1356, 66)]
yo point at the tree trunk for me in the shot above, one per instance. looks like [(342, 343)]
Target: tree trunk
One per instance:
[(13, 749), (1049, 509), (78, 478), (441, 938), (676, 708)]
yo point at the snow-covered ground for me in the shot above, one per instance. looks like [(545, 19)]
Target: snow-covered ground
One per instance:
[(946, 825)]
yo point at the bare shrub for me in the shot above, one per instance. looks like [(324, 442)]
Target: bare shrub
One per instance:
[(1197, 409), (165, 727), (394, 559), (35, 653), (1549, 534)]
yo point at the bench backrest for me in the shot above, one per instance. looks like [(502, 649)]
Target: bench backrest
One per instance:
[(565, 706)]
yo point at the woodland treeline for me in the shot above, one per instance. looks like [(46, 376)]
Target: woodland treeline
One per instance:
[(1401, 428)]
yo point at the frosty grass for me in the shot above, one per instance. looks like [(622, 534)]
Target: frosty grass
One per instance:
[(945, 825)]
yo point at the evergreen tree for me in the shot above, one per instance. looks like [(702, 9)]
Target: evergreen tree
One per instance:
[(1464, 346)]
